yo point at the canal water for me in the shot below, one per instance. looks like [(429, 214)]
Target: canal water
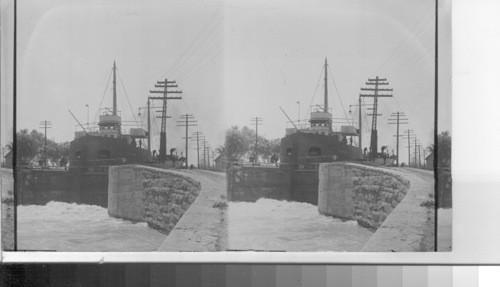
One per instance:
[(290, 226), (71, 227), (263, 225)]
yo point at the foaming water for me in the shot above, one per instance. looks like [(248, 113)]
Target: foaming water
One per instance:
[(270, 224), (72, 227)]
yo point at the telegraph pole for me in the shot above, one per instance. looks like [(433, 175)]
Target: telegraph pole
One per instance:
[(409, 136), (419, 158), (163, 133), (397, 122), (257, 122), (375, 95), (148, 107), (208, 155), (198, 138), (189, 122), (45, 125), (424, 156), (360, 123), (415, 151), (204, 150)]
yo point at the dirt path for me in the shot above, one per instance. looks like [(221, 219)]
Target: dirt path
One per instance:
[(445, 215), (204, 225), (410, 227)]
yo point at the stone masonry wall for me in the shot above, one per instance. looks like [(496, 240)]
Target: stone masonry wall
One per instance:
[(249, 183), (155, 196), (362, 193)]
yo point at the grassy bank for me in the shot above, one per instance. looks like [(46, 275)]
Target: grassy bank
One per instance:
[(7, 188)]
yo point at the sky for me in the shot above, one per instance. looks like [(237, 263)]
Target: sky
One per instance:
[(233, 60)]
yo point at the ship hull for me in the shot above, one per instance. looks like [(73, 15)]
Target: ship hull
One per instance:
[(98, 151), (304, 148)]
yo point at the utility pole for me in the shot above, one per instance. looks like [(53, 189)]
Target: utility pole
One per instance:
[(148, 107), (163, 133), (360, 119), (419, 158), (424, 156), (208, 156), (409, 136), (198, 138), (204, 149), (415, 151), (45, 125), (397, 122), (213, 157), (257, 122), (375, 95), (189, 122)]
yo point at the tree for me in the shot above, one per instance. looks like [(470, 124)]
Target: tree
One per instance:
[(30, 147), (237, 142), (444, 149), (57, 151), (240, 143), (26, 147), (266, 148)]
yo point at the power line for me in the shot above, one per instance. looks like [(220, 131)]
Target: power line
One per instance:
[(202, 61), (397, 51), (195, 40), (195, 50)]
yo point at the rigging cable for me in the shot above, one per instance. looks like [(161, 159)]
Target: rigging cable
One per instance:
[(338, 94), (315, 90), (103, 95), (131, 109)]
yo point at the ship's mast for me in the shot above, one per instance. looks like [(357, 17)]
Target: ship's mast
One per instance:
[(114, 88), (326, 88)]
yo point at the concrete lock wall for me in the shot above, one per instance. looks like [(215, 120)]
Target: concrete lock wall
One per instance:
[(304, 186), (40, 186), (155, 196), (355, 192), (249, 183)]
